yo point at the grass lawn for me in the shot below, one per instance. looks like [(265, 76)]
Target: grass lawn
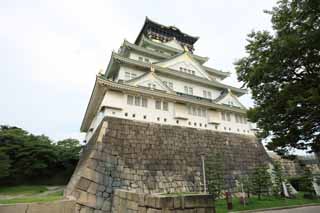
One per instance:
[(25, 190), (28, 194), (265, 202)]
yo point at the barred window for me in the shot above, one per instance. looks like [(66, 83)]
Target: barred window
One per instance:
[(158, 104), (130, 100), (165, 106), (144, 102), (137, 100), (223, 116)]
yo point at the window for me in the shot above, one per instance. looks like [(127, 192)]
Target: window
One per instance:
[(197, 111), (168, 84), (188, 90), (152, 86), (158, 104), (140, 58), (144, 102), (165, 106), (228, 116), (207, 94), (237, 118), (130, 100), (137, 100), (129, 75), (146, 60), (223, 116)]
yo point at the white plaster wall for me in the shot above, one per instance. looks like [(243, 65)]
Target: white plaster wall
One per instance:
[(152, 114), (123, 69), (136, 56), (178, 86)]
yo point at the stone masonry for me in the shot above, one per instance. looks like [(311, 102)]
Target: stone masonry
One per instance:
[(153, 158), (125, 201)]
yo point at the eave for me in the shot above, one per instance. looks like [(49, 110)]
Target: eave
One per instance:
[(96, 97), (149, 21), (146, 41), (102, 85), (173, 73)]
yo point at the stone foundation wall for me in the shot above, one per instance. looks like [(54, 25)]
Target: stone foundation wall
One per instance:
[(61, 206), (153, 158), (125, 201)]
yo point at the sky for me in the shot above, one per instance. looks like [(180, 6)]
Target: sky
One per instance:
[(51, 51)]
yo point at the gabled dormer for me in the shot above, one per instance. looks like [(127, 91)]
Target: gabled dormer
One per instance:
[(184, 62), (228, 98), (149, 80)]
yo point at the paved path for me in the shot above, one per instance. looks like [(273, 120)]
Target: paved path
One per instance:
[(308, 209)]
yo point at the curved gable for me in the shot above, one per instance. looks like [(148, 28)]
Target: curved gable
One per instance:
[(185, 63)]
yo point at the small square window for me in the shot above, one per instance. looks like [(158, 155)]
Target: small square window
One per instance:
[(146, 60), (205, 125), (195, 124), (144, 117), (200, 124), (133, 115), (158, 118), (126, 114), (140, 58), (229, 129), (165, 120), (189, 123), (177, 121), (216, 126), (225, 128)]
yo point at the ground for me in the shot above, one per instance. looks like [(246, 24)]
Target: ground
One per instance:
[(265, 202), (309, 209), (26, 194)]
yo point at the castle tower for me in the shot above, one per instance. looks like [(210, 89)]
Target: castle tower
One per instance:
[(152, 115), (159, 79)]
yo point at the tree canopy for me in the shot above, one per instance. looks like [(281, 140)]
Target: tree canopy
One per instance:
[(282, 69), (24, 156)]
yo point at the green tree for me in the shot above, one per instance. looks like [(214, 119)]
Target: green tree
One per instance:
[(278, 178), (4, 165), (283, 73), (260, 181), (214, 167), (26, 157), (68, 151), (307, 183)]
